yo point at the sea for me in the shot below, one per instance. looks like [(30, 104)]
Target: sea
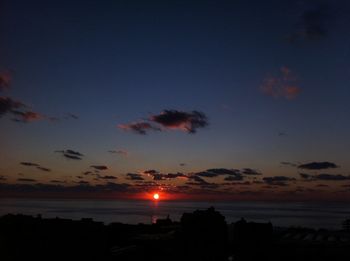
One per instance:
[(281, 214)]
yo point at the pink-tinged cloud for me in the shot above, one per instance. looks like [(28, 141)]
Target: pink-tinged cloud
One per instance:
[(282, 86), (19, 110), (180, 120), (5, 80), (188, 122), (27, 116), (120, 152)]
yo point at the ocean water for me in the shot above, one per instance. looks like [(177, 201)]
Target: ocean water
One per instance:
[(315, 215)]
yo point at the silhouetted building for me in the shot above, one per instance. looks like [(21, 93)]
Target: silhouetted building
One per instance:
[(251, 241), (164, 222), (204, 235), (346, 225)]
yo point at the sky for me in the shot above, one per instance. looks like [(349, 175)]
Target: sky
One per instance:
[(193, 99)]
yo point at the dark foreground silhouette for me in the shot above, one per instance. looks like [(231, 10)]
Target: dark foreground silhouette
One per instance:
[(201, 235)]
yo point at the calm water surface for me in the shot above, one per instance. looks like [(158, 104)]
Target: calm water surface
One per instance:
[(316, 215)]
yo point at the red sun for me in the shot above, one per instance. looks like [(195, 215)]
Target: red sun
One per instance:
[(155, 196)]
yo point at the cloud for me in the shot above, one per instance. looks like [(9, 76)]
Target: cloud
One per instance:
[(43, 169), (223, 171), (30, 164), (312, 24), (83, 182), (198, 181), (324, 176), (175, 175), (233, 178), (278, 180), (318, 165), (19, 110), (71, 154), (282, 133), (322, 185), (134, 176), (182, 164), (151, 171), (108, 177), (282, 86), (66, 116), (138, 127), (71, 116), (245, 183), (185, 121), (83, 186), (8, 105), (286, 163), (26, 180), (235, 173), (248, 171), (156, 175), (121, 152), (211, 173), (207, 174), (305, 176), (57, 181), (5, 80), (99, 167), (27, 116), (188, 122), (68, 156)]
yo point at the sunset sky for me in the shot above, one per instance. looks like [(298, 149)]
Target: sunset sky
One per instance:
[(195, 99)]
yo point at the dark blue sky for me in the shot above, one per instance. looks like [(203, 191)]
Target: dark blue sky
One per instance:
[(270, 77)]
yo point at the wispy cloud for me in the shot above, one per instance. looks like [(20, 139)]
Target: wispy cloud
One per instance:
[(58, 181), (249, 171), (8, 105), (21, 112), (278, 180), (71, 116), (71, 154), (108, 177), (31, 164), (134, 176), (156, 175), (43, 169), (120, 152), (99, 167), (290, 164), (138, 127), (324, 176), (318, 165), (27, 116), (282, 86), (5, 80), (26, 180)]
